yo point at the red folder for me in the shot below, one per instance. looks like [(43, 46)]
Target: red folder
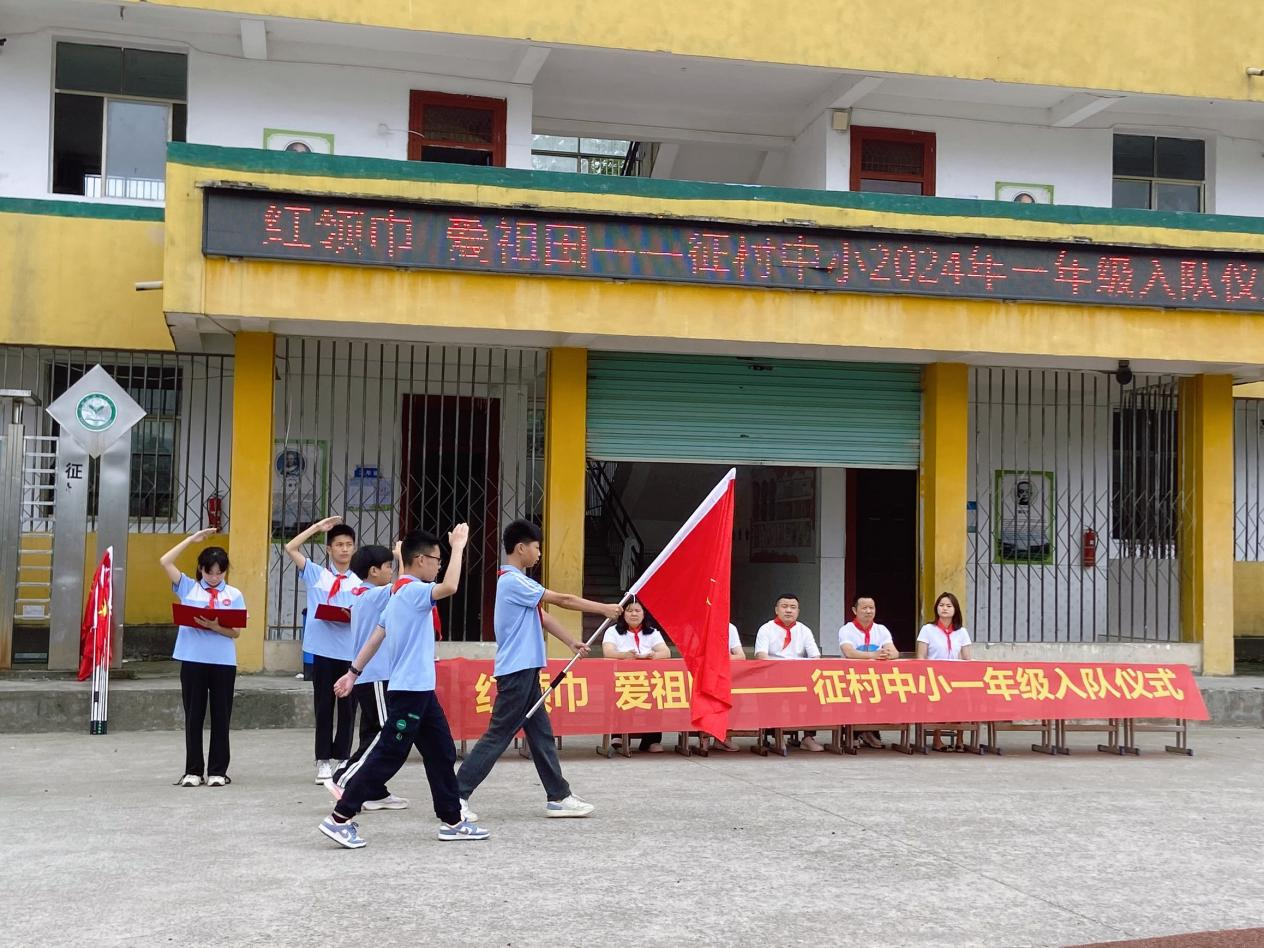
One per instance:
[(333, 613), (228, 618)]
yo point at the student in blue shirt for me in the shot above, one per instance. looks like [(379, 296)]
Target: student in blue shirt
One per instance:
[(329, 642), (520, 624), (414, 717), (208, 659), (376, 564)]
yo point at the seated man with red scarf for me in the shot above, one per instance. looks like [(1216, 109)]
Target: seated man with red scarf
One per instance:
[(786, 637), (862, 638)]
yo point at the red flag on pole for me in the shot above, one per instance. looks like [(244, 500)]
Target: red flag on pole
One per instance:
[(687, 590), (94, 632)]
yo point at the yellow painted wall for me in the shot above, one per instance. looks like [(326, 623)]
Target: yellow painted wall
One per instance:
[(566, 426), (385, 298), (71, 281), (251, 486), (942, 483), (1248, 598), (975, 39), (1206, 518)]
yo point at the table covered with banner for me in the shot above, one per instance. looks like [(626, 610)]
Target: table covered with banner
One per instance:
[(603, 696)]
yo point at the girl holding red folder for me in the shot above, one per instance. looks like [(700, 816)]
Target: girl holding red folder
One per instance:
[(207, 656)]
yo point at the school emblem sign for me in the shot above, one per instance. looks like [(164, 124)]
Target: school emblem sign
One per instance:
[(96, 411)]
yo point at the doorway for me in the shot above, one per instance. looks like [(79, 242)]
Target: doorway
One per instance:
[(882, 548)]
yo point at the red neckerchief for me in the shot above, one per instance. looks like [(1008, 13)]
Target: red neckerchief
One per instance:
[(789, 628), (636, 636), (864, 630), (360, 590), (333, 590), (434, 612), (213, 593), (947, 630)]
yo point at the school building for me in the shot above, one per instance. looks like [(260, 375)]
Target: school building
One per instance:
[(971, 301)]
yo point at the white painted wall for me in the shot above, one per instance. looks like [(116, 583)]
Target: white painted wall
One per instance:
[(972, 156), (26, 92), (231, 102), (1239, 178)]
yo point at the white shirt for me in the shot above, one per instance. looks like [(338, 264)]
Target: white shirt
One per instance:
[(771, 638), (851, 634), (734, 641), (626, 641), (937, 642)]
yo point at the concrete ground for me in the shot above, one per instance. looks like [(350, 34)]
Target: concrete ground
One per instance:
[(882, 849)]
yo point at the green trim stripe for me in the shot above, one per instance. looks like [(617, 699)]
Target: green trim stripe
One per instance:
[(89, 209), (339, 166)]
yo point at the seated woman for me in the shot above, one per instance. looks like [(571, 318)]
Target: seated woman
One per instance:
[(631, 638), (945, 640)]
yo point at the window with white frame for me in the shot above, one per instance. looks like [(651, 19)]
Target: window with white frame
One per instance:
[(588, 155), (114, 110), (1160, 174)]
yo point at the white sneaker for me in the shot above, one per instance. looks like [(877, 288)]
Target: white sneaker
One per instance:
[(217, 781), (467, 814), (190, 780), (571, 806), (388, 802), (323, 771)]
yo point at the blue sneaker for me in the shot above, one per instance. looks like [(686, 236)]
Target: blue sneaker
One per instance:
[(463, 830), (344, 834)]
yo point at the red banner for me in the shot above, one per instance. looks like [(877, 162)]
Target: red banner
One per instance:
[(601, 696)]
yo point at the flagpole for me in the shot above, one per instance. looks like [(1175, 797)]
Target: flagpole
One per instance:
[(563, 673), (94, 714)]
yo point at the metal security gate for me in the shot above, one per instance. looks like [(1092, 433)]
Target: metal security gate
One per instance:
[(1248, 480), (180, 461), (1074, 507), (395, 437)]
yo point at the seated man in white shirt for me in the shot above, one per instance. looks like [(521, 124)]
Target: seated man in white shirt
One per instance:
[(864, 639), (786, 637)]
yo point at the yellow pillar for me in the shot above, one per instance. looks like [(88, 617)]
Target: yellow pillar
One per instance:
[(565, 437), (1205, 542), (250, 497), (942, 482)]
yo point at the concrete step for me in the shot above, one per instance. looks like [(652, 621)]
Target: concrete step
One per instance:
[(35, 703)]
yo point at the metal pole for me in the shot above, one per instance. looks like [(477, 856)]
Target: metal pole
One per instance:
[(112, 525), (574, 658), (11, 475)]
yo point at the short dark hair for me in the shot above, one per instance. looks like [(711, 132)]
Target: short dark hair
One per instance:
[(647, 623), (785, 596), (956, 609), (521, 531), (339, 530), (212, 556), (367, 557), (415, 543), (855, 600)]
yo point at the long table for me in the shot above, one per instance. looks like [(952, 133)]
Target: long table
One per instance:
[(614, 696)]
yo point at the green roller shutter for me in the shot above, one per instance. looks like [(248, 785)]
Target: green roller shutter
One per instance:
[(752, 410)]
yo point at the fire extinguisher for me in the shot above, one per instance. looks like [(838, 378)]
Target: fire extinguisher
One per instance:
[(1088, 552), (214, 512)]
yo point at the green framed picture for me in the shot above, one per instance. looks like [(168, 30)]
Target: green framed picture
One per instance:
[(303, 143), (1023, 514), (300, 485)]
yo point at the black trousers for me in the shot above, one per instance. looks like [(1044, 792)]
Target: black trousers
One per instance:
[(515, 694), (203, 685), (331, 745), (370, 699), (413, 719)]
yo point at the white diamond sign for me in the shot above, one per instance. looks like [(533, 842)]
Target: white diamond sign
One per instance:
[(96, 411)]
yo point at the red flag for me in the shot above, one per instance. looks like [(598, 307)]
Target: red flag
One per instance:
[(687, 590), (94, 632)]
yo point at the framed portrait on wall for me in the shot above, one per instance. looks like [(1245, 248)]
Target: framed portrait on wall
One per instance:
[(304, 143), (1017, 193), (300, 485), (1023, 511)]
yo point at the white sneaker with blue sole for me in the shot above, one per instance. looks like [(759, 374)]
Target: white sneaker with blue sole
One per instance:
[(463, 830), (346, 835), (572, 806)]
